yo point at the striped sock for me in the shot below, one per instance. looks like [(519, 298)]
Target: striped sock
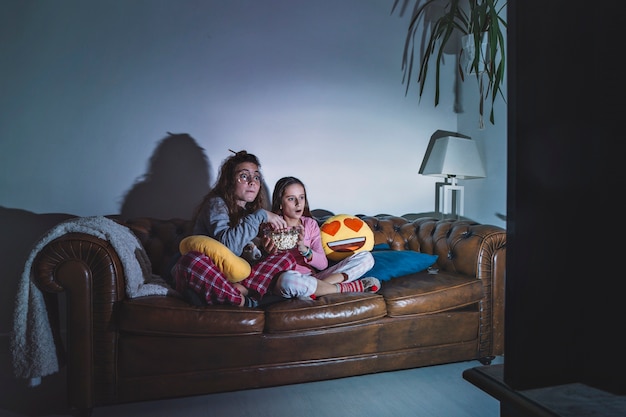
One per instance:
[(354, 286), (250, 302), (370, 284), (367, 284)]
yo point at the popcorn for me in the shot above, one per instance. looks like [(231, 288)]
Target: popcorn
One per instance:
[(284, 239)]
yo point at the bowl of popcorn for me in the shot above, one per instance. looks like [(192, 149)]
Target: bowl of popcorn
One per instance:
[(284, 239)]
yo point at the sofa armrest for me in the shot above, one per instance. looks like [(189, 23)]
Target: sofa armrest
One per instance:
[(88, 271), (479, 251)]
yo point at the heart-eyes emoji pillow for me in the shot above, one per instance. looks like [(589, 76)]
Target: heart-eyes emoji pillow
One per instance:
[(344, 235)]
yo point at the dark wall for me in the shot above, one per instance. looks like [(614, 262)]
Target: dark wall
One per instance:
[(564, 306)]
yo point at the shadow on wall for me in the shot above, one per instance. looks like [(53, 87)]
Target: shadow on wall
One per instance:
[(177, 180)]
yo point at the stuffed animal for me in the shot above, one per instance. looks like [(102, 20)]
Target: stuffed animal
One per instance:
[(343, 235)]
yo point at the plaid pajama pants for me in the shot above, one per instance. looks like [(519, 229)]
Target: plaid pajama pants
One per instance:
[(197, 271)]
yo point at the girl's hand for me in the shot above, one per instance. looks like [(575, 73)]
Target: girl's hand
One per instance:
[(276, 221), (268, 245)]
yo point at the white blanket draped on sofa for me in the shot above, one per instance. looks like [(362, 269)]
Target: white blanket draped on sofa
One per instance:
[(32, 344)]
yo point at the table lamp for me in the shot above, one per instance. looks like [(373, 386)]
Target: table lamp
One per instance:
[(452, 158)]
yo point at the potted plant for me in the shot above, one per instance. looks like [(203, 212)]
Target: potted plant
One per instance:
[(443, 23)]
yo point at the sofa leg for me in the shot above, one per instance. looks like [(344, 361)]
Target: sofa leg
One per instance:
[(486, 360)]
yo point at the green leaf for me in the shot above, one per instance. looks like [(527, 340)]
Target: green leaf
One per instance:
[(462, 17)]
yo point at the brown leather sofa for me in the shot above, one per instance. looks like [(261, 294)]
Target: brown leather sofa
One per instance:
[(122, 350)]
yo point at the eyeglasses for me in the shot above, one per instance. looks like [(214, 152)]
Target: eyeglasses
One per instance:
[(245, 177)]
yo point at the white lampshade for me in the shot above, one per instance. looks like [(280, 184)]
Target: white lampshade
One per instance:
[(453, 157)]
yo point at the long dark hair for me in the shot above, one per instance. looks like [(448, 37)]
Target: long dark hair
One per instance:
[(279, 191), (225, 185)]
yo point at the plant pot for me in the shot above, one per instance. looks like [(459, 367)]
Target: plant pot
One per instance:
[(468, 52)]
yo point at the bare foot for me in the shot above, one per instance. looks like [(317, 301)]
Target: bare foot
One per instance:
[(243, 290)]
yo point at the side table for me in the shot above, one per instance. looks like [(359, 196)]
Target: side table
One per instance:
[(568, 400)]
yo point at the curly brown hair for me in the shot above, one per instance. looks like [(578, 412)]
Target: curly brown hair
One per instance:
[(226, 183)]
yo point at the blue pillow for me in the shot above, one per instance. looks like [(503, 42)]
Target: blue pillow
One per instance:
[(381, 246), (395, 263)]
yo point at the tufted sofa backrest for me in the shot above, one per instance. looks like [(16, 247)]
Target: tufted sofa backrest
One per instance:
[(456, 242)]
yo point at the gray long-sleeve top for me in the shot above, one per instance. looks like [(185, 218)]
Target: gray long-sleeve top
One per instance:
[(214, 221)]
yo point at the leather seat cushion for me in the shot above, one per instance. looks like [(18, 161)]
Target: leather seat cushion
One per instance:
[(424, 293), (160, 315), (332, 310)]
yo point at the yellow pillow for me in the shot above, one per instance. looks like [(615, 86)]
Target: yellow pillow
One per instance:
[(234, 267)]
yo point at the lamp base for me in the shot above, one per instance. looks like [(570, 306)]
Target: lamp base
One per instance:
[(449, 199)]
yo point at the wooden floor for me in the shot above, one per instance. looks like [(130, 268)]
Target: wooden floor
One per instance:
[(436, 391)]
